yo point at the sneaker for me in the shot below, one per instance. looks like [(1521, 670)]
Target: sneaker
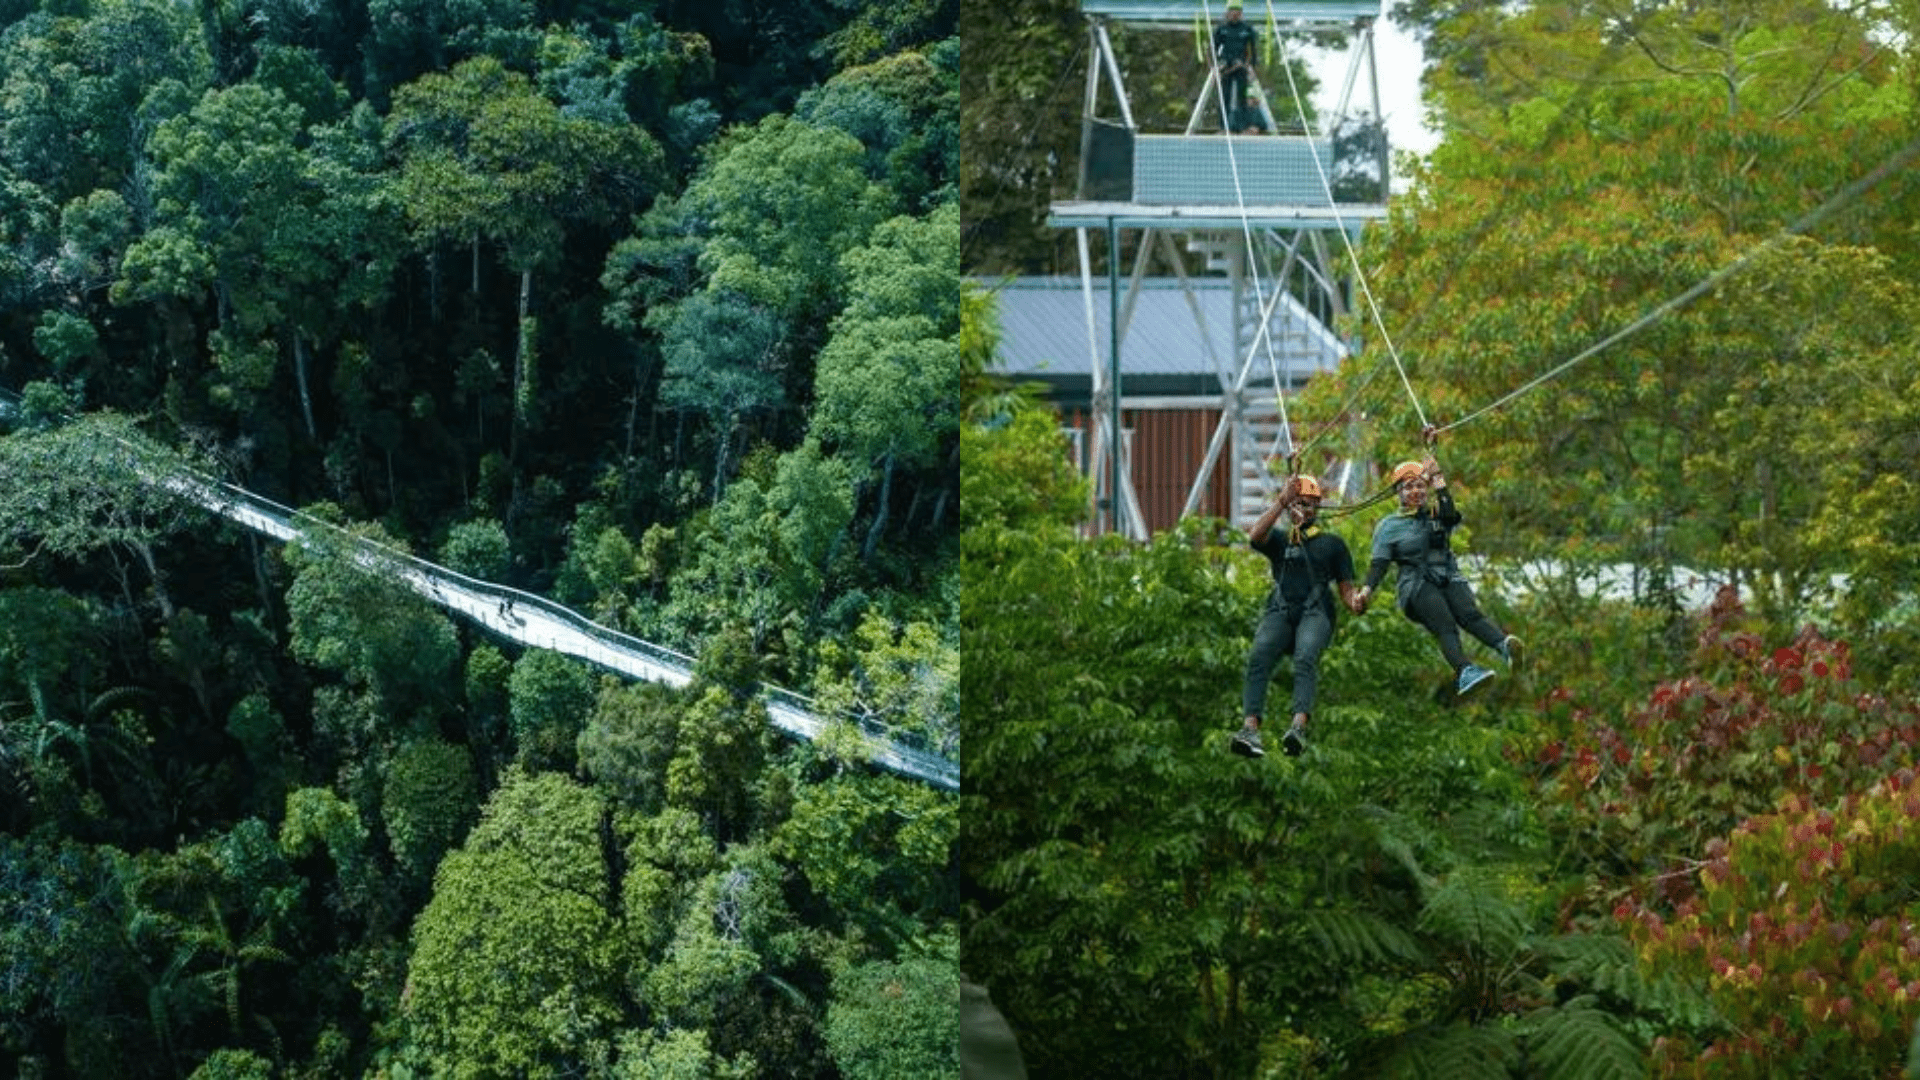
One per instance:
[(1512, 651), (1246, 743), (1294, 742), (1471, 676)]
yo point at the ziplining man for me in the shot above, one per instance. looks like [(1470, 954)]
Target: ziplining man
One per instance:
[(1298, 618)]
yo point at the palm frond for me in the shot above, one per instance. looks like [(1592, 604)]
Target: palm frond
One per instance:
[(792, 992), (113, 698)]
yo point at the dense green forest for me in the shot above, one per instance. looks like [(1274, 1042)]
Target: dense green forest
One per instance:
[(1683, 839), (650, 308)]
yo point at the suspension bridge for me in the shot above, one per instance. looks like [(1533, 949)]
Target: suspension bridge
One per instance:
[(539, 623)]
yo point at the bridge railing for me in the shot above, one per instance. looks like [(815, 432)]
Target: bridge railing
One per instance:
[(677, 667)]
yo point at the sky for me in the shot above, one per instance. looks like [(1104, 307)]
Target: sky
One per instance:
[(1398, 57)]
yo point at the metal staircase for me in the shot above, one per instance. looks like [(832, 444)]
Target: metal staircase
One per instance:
[(1297, 345)]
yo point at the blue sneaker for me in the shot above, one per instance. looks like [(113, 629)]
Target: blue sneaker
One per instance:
[(1471, 676)]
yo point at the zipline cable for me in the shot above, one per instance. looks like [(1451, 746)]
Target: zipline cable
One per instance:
[(1900, 159), (1353, 256)]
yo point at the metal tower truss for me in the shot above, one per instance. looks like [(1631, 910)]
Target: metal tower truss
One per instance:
[(1261, 210)]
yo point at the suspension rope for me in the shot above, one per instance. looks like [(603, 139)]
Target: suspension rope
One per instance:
[(1326, 185), (1261, 336), (1897, 161)]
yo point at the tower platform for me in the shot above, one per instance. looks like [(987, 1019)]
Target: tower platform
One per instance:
[(1323, 13)]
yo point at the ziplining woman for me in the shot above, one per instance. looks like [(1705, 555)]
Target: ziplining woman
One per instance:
[(1430, 589)]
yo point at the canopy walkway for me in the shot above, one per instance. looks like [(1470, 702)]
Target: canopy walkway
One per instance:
[(540, 623)]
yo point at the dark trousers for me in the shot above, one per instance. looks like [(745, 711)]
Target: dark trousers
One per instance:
[(1233, 85), (1445, 610), (1304, 635)]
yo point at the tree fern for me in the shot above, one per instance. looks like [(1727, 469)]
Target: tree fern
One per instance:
[(1360, 937), (1580, 1041), (1474, 907), (1453, 1052), (1607, 964)]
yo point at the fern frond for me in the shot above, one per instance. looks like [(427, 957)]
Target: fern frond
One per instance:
[(1359, 937), (1455, 1052), (1606, 963), (1396, 835), (1475, 907), (1579, 1041)]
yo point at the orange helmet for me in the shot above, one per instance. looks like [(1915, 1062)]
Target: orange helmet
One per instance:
[(1307, 487), (1406, 470)]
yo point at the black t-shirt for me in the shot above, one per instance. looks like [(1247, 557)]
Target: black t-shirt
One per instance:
[(1314, 557), (1233, 42)]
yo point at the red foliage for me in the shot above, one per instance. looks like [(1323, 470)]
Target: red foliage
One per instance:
[(1635, 793), (1807, 935)]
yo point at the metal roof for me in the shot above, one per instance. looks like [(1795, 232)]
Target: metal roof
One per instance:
[(1044, 328)]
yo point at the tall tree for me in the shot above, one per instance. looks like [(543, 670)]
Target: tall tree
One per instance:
[(72, 87), (87, 485), (348, 617), (517, 959), (888, 383), (1684, 156), (483, 155)]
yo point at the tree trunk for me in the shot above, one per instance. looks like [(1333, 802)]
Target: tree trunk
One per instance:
[(260, 577), (720, 442), (473, 265), (145, 551), (633, 403), (940, 504), (522, 392), (879, 512), (300, 378)]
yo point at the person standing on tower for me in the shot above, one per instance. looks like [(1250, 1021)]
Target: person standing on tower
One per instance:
[(1233, 42)]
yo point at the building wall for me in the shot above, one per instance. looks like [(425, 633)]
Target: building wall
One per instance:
[(1167, 447)]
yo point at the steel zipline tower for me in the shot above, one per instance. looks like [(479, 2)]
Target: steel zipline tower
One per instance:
[(1264, 206)]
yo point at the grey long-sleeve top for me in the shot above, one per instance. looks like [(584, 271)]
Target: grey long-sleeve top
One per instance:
[(1419, 544)]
